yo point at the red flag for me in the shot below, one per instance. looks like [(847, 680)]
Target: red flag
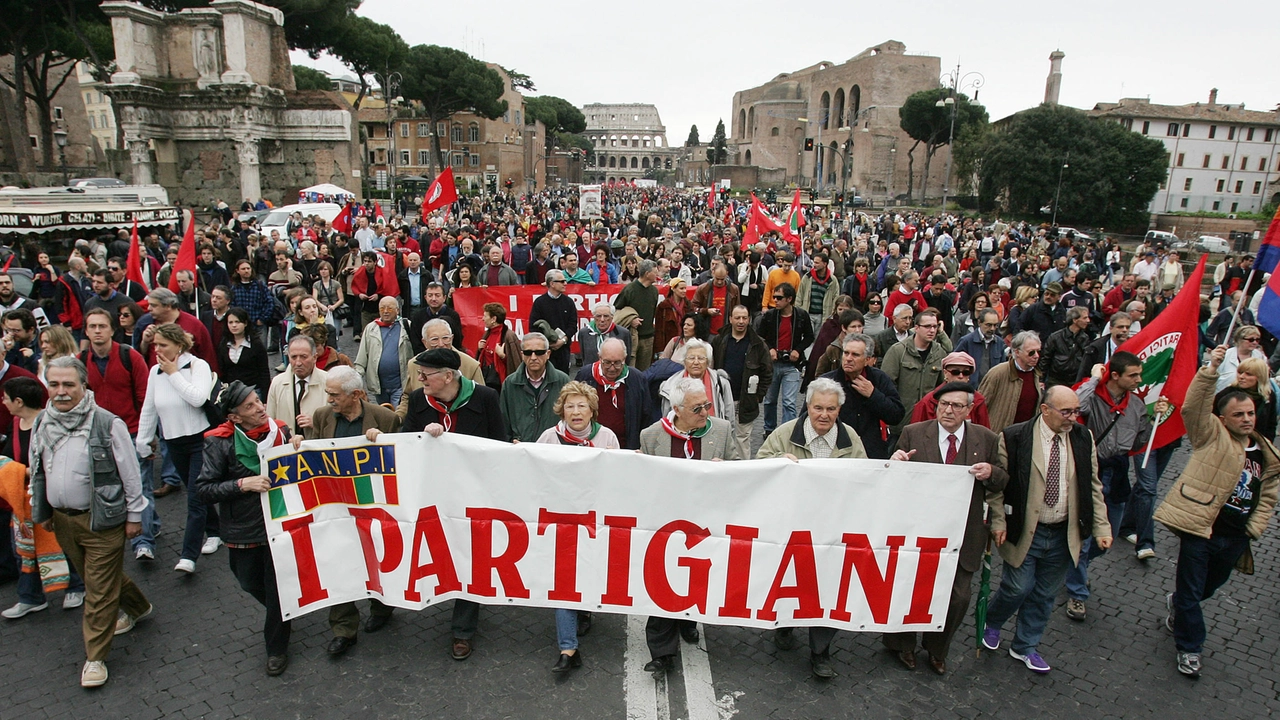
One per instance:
[(387, 273), (186, 253), (441, 193), (377, 212), (8, 263), (1169, 348), (134, 270), (711, 198), (343, 222)]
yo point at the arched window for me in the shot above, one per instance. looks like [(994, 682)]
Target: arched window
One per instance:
[(751, 122), (473, 132), (742, 123), (838, 110), (773, 132), (748, 157), (635, 141), (657, 162), (855, 103), (613, 161), (644, 163), (455, 134), (634, 164), (613, 141), (824, 110), (657, 142)]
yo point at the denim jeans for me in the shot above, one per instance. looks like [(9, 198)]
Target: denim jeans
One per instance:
[(31, 590), (1142, 504), (1111, 471), (168, 473), (1203, 567), (188, 457), (150, 517), (567, 629), (9, 561), (1030, 589), (786, 382)]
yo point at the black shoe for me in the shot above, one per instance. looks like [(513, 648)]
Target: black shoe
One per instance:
[(567, 662), (276, 664), (660, 666), (689, 633), (339, 646), (376, 622), (820, 664), (784, 639), (584, 622)]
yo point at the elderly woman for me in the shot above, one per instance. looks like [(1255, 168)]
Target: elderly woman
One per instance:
[(697, 365), (602, 327), (819, 434), (499, 347), (1248, 340), (1253, 377)]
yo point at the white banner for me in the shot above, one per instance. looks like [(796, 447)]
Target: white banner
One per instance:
[(589, 202), (862, 545)]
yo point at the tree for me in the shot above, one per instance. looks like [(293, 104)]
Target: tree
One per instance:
[(558, 114), (1112, 175), (692, 140), (925, 122), (305, 78), (367, 47), (719, 151), (520, 81), (445, 81)]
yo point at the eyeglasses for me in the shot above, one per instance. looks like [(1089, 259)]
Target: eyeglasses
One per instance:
[(962, 371), (424, 375), (701, 408), (1031, 352), (1255, 338), (539, 353), (948, 405), (779, 297), (932, 326), (612, 363), (1067, 413)]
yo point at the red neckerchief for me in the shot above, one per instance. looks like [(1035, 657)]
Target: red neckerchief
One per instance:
[(385, 324), (446, 417), (227, 429), (567, 438), (813, 273), (605, 385), (670, 427), (1116, 407)]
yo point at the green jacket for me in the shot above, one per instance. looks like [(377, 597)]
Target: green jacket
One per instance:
[(912, 373), (527, 410)]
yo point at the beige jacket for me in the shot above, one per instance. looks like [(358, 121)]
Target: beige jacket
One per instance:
[(1002, 387)]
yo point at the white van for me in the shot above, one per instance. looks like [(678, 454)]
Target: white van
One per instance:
[(278, 218), (1156, 237), (1210, 243)]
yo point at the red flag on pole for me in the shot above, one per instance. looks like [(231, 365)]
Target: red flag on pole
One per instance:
[(186, 253), (711, 198), (134, 271), (441, 193), (344, 221)]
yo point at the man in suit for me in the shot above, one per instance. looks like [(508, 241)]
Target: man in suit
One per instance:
[(1050, 504), (953, 440), (349, 414)]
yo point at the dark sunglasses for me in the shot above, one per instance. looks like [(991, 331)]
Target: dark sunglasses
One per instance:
[(964, 371), (539, 353)]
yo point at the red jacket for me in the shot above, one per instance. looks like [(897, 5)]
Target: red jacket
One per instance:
[(11, 371), (927, 409), (119, 391)]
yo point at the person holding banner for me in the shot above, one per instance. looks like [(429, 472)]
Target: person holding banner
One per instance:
[(232, 477), (686, 432)]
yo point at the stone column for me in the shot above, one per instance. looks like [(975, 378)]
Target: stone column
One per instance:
[(250, 175), (140, 158), (237, 54)]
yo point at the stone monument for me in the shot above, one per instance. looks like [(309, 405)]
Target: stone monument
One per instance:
[(209, 109)]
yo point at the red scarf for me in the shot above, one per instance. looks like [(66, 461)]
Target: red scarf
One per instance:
[(228, 429), (609, 387), (1116, 407), (669, 425), (568, 438), (381, 323), (448, 413), (489, 355), (813, 273)]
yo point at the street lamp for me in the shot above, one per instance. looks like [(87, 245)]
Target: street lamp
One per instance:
[(390, 82), (1058, 193), (60, 137), (970, 80)]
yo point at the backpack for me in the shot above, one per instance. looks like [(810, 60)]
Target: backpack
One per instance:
[(125, 358), (988, 244)]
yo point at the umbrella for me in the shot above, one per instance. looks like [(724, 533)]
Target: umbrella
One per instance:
[(984, 596)]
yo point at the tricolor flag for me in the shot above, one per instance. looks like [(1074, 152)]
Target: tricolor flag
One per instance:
[(1267, 262), (1169, 348), (795, 221), (302, 497)]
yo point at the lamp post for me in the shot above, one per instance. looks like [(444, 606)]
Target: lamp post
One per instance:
[(390, 82), (60, 137), (1058, 193), (970, 80)]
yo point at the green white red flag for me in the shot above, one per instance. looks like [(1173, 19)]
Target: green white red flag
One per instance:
[(1169, 348), (795, 221)]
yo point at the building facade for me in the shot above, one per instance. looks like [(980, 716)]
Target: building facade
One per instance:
[(1222, 157), (850, 113), (629, 142), (97, 107)]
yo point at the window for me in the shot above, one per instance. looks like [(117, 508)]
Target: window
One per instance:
[(424, 129), (473, 133), (506, 116), (404, 130), (455, 134), (1226, 161), (424, 157), (518, 114), (1213, 131), (1186, 129), (475, 160), (1257, 188), (1217, 205), (457, 160), (1146, 127), (1267, 138), (442, 129), (105, 120), (93, 121), (1181, 157), (1221, 184), (1235, 207), (1207, 158), (404, 158), (1244, 163), (773, 132), (1239, 186), (373, 157), (1173, 130), (1183, 203), (88, 98), (1186, 185), (1250, 138), (634, 164), (34, 142), (1231, 133), (1262, 164), (57, 113)]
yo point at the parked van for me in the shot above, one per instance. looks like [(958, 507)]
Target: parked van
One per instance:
[(1210, 243), (278, 218), (1154, 237)]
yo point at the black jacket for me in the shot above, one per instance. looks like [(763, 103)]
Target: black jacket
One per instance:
[(1018, 442), (758, 364), (480, 417), (420, 317), (254, 368), (801, 334), (1095, 353), (1060, 357), (1043, 319), (864, 414), (240, 513)]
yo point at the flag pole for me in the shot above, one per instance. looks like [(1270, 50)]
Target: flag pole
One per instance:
[(1151, 441), (1244, 295)]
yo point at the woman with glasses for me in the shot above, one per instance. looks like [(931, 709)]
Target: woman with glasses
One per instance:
[(127, 318), (697, 365), (1253, 377), (1248, 339), (873, 320)]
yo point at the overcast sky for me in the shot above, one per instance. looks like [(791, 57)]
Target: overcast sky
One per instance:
[(688, 58)]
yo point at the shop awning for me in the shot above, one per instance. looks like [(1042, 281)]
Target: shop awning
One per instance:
[(42, 219)]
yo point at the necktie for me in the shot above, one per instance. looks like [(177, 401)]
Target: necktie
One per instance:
[(1051, 479), (952, 448), (300, 389)]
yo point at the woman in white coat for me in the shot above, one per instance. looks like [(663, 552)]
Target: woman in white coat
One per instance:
[(697, 365)]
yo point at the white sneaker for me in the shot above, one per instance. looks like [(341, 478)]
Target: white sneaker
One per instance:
[(23, 609), (1132, 538), (125, 622), (211, 545), (72, 600), (185, 565), (144, 553), (94, 674), (1146, 554)]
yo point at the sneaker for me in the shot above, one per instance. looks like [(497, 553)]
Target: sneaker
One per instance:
[(94, 674), (144, 553), (23, 609), (1168, 618), (281, 367), (991, 638), (211, 545), (185, 565), (1032, 660), (1146, 554), (72, 600), (1075, 609), (1189, 664), (1132, 538), (125, 622)]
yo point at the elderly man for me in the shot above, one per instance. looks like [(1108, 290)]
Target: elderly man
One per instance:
[(870, 399), (716, 299), (449, 402), (413, 284), (601, 328), (915, 366), (744, 357), (1050, 504), (349, 414), (163, 304), (296, 394), (952, 439), (529, 394), (899, 330), (434, 309), (686, 432), (624, 393), (818, 435), (437, 333), (1060, 360), (384, 354), (956, 367), (1098, 353), (86, 488), (495, 272), (1013, 389)]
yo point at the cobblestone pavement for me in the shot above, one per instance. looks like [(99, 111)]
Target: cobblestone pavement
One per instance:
[(201, 656)]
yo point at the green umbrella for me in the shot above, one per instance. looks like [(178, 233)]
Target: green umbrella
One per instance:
[(984, 596)]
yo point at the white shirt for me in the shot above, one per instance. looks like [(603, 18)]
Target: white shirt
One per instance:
[(176, 401), (943, 444), (1057, 511), (69, 474)]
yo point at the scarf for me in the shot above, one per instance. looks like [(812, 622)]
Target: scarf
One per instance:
[(669, 424), (247, 442), (711, 393), (489, 355), (813, 273), (1103, 394), (53, 427), (384, 324), (448, 413), (568, 437), (610, 387)]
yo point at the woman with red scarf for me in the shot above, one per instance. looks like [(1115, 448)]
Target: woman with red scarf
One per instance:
[(499, 347)]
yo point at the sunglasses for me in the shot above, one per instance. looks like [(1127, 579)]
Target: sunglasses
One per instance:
[(962, 371), (539, 353)]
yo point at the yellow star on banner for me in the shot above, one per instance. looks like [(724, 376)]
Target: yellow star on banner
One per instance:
[(281, 472)]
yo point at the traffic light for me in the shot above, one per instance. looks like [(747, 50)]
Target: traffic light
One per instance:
[(840, 199), (509, 184), (808, 144)]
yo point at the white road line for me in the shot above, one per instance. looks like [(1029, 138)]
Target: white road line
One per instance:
[(700, 696), (639, 689)]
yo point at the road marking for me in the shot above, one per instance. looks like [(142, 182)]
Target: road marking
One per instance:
[(639, 689), (699, 695)]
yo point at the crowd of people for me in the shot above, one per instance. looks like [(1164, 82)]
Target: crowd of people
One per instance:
[(896, 336)]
